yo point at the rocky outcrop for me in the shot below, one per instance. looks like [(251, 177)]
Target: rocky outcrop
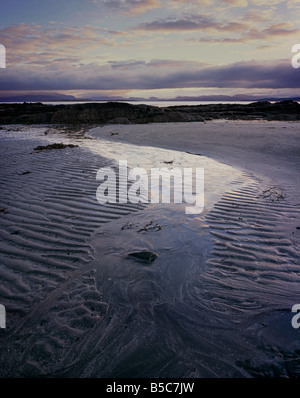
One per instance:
[(283, 110), (124, 113)]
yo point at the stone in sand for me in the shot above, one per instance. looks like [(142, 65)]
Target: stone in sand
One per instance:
[(54, 146), (144, 256)]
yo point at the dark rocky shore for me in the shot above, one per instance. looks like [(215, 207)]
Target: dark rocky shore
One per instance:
[(124, 113)]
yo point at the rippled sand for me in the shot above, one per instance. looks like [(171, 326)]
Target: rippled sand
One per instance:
[(215, 303)]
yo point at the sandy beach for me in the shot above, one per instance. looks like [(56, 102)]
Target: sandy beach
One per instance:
[(217, 300)]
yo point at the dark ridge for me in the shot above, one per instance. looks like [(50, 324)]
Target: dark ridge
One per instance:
[(124, 113)]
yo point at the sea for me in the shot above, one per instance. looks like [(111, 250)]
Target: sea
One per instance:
[(153, 103)]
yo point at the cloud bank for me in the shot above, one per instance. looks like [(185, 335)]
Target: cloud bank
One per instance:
[(156, 74)]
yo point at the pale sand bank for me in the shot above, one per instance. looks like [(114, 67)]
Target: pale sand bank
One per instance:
[(263, 147), (215, 303)]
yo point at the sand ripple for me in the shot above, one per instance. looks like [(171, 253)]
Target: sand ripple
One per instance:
[(215, 303), (47, 283)]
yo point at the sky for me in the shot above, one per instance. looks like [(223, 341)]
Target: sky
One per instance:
[(145, 48)]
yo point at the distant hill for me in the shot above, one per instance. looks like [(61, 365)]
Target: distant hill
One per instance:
[(37, 97), (201, 98), (43, 97), (238, 97)]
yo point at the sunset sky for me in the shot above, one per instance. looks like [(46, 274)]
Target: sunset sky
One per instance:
[(145, 48)]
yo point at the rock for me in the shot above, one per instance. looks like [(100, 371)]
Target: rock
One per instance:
[(54, 146), (119, 120), (24, 173), (144, 256), (124, 113)]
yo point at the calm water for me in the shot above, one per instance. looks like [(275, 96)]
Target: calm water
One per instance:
[(153, 103)]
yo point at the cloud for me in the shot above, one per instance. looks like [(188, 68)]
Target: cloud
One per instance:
[(175, 63), (189, 24), (265, 3), (184, 24), (277, 31), (154, 64), (258, 15), (236, 3), (131, 7), (208, 3), (293, 4), (126, 65), (225, 4), (31, 42), (245, 30), (199, 23), (139, 75)]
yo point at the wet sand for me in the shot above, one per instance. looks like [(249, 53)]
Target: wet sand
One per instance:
[(217, 300), (265, 148)]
